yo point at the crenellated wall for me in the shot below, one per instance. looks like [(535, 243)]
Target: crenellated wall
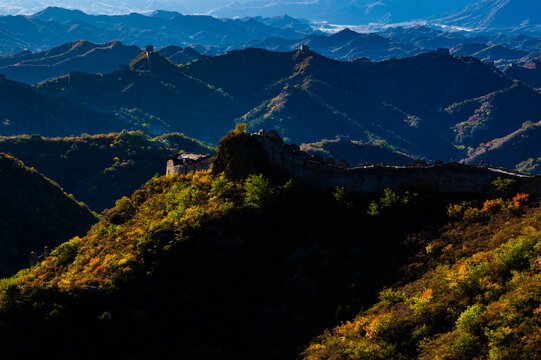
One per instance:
[(441, 178)]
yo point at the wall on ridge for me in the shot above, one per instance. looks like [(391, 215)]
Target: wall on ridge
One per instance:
[(443, 178)]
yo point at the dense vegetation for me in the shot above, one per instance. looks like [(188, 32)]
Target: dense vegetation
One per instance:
[(202, 266), (99, 169), (34, 213), (476, 294), (198, 263)]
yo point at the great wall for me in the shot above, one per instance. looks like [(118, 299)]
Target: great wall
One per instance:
[(442, 178)]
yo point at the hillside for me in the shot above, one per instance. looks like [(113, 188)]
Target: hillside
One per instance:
[(494, 115), (23, 110), (99, 169), (150, 277), (34, 213), (357, 152), (429, 105), (519, 150), (499, 52), (162, 100), (472, 293), (529, 74), (31, 68)]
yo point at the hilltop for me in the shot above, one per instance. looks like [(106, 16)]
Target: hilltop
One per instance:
[(100, 169), (34, 213)]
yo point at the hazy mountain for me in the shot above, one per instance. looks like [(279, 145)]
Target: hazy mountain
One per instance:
[(468, 49), (80, 55), (499, 15), (336, 11), (54, 26), (343, 45), (344, 11), (530, 73)]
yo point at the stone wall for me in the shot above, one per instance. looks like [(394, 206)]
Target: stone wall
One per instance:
[(174, 166), (441, 178)]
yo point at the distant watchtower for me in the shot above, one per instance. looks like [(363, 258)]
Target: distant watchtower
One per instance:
[(443, 51), (305, 48), (149, 49)]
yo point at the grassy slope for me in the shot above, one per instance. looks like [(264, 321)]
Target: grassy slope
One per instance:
[(475, 295), (99, 169), (203, 267), (196, 266), (516, 150), (34, 212)]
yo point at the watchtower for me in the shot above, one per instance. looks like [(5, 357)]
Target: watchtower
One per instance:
[(149, 48), (305, 48)]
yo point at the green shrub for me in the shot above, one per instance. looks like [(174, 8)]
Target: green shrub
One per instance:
[(469, 319), (504, 187), (66, 252), (258, 191)]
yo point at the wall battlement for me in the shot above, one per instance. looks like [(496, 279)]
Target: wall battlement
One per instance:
[(442, 178), (185, 163)]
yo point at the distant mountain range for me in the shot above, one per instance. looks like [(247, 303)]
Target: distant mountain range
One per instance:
[(510, 15), (54, 26), (499, 15), (82, 56), (432, 105), (85, 56)]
